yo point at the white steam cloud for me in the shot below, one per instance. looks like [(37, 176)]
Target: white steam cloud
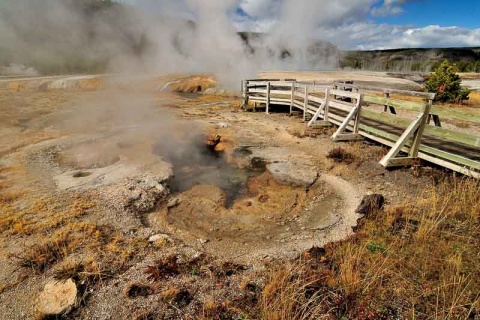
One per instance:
[(165, 36)]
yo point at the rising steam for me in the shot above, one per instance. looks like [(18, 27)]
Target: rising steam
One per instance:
[(165, 36)]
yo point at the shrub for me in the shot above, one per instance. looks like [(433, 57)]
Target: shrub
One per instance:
[(446, 83)]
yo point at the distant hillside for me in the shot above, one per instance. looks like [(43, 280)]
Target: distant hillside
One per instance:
[(407, 60), (396, 60)]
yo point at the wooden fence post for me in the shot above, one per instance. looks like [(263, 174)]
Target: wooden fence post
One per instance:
[(305, 104), (417, 138), (386, 95), (292, 97), (357, 117), (327, 107), (244, 94), (388, 107), (268, 98)]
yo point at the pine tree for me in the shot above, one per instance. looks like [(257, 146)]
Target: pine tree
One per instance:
[(446, 83)]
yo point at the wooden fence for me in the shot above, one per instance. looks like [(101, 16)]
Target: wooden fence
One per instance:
[(406, 121)]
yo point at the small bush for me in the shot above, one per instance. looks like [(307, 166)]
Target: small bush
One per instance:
[(446, 83), (341, 155)]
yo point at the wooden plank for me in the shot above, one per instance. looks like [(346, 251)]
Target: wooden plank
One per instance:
[(280, 92), (401, 162), (279, 100), (454, 136), (453, 113), (316, 99), (339, 106), (453, 158), (401, 104), (342, 93), (257, 91), (257, 99), (367, 131), (385, 118), (348, 137), (426, 95), (452, 166)]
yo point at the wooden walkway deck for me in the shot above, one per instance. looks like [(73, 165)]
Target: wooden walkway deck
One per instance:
[(365, 112)]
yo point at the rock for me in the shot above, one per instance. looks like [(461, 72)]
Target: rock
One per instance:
[(160, 240), (173, 202), (370, 204), (204, 241), (144, 194), (223, 125), (294, 174), (58, 297)]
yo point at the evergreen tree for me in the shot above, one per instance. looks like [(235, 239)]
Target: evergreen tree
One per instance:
[(446, 83)]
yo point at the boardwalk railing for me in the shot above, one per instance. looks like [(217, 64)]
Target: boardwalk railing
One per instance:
[(406, 121)]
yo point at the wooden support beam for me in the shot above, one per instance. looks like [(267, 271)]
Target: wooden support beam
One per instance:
[(320, 109), (348, 137), (354, 114), (407, 134), (344, 125), (401, 162)]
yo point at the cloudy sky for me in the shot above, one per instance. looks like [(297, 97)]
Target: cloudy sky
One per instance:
[(355, 24)]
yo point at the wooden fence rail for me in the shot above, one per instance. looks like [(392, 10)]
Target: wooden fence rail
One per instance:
[(413, 129)]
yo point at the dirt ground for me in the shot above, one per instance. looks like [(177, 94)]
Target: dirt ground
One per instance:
[(117, 176)]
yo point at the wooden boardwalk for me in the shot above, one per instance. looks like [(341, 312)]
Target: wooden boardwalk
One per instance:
[(406, 121)]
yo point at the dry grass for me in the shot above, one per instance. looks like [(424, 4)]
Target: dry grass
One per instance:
[(42, 215), (416, 260), (104, 245), (474, 99), (213, 310), (192, 84)]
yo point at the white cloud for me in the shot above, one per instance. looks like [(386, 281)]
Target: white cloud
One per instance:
[(347, 24)]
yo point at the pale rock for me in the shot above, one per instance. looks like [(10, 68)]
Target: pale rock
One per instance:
[(57, 297)]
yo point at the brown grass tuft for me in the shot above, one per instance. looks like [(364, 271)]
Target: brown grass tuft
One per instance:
[(417, 260), (110, 251), (341, 155)]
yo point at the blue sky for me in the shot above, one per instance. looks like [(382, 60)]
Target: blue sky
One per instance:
[(462, 13), (349, 24)]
